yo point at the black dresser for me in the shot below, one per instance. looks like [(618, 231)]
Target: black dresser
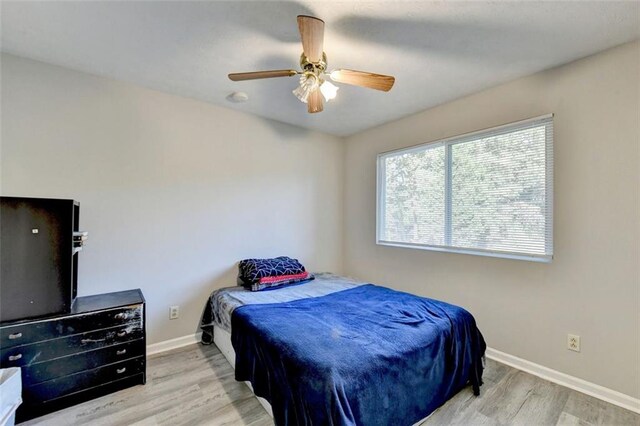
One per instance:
[(97, 348)]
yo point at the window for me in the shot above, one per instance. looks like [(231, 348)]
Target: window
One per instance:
[(487, 193)]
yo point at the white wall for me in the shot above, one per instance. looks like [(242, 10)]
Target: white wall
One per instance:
[(173, 191), (592, 286)]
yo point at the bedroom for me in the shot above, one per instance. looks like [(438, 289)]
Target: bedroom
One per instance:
[(180, 173)]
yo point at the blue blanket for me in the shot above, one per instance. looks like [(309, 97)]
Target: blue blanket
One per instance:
[(363, 356)]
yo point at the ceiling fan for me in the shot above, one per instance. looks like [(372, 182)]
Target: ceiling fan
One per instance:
[(313, 62)]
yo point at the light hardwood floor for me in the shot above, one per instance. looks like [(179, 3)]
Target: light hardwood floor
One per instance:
[(195, 386)]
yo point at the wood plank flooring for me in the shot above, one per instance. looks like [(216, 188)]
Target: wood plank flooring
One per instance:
[(195, 386)]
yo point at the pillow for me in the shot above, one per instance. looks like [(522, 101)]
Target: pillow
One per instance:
[(267, 283), (251, 270)]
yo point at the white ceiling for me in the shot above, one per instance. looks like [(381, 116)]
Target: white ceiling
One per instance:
[(438, 51)]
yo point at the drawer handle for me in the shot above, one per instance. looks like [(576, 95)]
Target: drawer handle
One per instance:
[(14, 336), (121, 352), (121, 370), (15, 357), (121, 315), (122, 333)]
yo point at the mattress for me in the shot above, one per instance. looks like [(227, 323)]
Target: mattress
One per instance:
[(224, 301)]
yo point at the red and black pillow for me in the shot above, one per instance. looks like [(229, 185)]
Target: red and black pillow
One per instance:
[(261, 274)]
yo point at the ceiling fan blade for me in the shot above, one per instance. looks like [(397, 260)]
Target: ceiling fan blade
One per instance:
[(364, 79), (314, 103), (312, 35), (240, 76)]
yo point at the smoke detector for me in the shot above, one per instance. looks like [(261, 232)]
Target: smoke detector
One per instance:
[(238, 97)]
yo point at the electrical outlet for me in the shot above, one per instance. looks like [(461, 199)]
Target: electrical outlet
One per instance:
[(174, 312), (573, 342)]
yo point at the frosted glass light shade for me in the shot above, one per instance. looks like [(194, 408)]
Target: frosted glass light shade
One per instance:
[(328, 90), (308, 83)]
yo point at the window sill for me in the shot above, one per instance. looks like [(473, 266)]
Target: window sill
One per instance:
[(476, 252)]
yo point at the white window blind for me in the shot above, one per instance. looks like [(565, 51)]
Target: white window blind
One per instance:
[(488, 192)]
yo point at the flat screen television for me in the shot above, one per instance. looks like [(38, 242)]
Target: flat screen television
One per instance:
[(38, 260)]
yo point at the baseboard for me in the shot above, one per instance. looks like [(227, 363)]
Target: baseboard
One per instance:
[(580, 385), (178, 342), (608, 395)]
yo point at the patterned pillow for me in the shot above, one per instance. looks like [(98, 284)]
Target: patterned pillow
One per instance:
[(251, 270)]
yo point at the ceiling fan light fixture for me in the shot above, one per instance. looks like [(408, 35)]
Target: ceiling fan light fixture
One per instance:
[(314, 87), (328, 90), (308, 83)]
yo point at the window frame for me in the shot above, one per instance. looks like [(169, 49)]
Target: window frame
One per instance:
[(447, 143)]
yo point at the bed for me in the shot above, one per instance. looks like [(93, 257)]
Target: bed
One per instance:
[(342, 352)]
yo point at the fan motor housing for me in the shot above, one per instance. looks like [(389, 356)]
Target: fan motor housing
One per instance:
[(315, 67)]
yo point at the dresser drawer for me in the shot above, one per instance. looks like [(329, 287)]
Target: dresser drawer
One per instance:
[(29, 410), (66, 385), (36, 331), (59, 367), (20, 356)]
